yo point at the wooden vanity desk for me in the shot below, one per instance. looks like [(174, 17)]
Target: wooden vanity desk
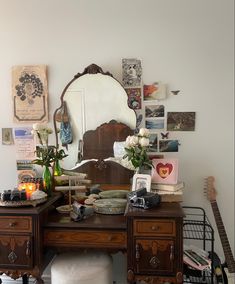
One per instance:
[(152, 240)]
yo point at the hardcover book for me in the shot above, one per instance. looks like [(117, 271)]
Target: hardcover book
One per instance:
[(168, 187)]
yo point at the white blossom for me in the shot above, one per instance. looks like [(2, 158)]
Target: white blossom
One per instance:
[(144, 142), (144, 132), (131, 141), (42, 131)]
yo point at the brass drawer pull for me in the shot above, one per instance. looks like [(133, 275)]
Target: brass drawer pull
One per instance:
[(28, 250), (154, 262), (110, 238), (172, 253), (155, 228), (12, 224)]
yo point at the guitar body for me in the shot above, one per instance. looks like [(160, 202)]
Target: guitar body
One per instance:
[(230, 276), (228, 270), (220, 274)]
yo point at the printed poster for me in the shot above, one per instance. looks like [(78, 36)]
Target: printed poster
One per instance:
[(30, 94)]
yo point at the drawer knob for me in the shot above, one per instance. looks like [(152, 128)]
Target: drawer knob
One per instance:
[(110, 238), (154, 262), (155, 228), (12, 224)]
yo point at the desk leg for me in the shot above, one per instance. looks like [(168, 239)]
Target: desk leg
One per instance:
[(25, 279)]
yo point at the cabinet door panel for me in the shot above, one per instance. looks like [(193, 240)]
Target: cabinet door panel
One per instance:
[(154, 256), (16, 251)]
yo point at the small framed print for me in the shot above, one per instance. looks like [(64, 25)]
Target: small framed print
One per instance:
[(140, 181), (165, 171)]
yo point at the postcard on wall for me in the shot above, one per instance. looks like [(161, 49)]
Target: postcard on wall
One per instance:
[(131, 73), (168, 146), (181, 121), (153, 142), (165, 171), (154, 111), (154, 124), (25, 143), (139, 119), (30, 93), (7, 136), (156, 91), (134, 98)]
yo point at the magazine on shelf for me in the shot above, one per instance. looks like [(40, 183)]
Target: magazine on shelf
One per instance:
[(196, 258)]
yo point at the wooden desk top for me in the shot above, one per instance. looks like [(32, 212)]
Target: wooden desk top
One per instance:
[(96, 221)]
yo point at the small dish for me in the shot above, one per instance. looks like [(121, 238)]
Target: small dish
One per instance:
[(113, 193), (111, 206), (64, 209)]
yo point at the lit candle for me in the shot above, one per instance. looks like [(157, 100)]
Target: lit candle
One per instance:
[(30, 188), (22, 186)]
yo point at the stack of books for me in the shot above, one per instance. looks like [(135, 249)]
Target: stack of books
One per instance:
[(169, 192)]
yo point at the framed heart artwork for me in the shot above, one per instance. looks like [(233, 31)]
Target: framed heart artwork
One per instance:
[(165, 171)]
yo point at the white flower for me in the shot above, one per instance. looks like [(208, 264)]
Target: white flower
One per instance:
[(131, 141), (36, 126), (42, 127), (144, 132), (144, 142), (42, 131)]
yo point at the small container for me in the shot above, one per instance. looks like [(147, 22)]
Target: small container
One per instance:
[(6, 195)]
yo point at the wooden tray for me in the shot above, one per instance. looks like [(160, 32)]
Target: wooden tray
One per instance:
[(23, 203)]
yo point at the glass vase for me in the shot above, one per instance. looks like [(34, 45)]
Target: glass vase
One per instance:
[(57, 169), (47, 181), (144, 170)]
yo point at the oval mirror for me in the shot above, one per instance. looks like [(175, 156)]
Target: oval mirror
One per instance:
[(92, 98)]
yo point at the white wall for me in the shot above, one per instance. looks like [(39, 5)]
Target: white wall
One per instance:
[(187, 44)]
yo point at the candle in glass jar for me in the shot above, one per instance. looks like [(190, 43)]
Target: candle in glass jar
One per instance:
[(22, 186), (30, 188)]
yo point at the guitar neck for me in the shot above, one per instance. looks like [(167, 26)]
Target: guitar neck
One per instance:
[(223, 237)]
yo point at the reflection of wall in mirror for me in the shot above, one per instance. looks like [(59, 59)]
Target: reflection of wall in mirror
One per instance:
[(94, 99)]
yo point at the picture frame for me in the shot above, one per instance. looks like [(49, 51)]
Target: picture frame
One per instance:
[(140, 181), (165, 171)]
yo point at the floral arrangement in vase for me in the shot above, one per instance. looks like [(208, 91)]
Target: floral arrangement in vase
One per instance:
[(136, 147), (48, 156)]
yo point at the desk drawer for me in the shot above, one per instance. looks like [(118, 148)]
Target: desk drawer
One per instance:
[(16, 224), (154, 227), (93, 239)]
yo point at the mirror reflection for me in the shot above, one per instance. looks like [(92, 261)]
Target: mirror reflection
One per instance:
[(92, 98)]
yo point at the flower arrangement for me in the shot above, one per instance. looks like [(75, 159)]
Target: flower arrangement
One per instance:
[(136, 147), (46, 155)]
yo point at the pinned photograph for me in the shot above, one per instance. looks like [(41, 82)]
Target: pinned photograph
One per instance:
[(134, 98), (153, 143), (154, 111), (7, 136), (139, 119), (181, 121), (156, 91), (131, 73), (154, 123), (168, 145)]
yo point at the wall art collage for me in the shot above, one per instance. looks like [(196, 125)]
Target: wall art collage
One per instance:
[(148, 103)]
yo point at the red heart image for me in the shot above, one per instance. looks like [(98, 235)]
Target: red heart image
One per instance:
[(164, 170)]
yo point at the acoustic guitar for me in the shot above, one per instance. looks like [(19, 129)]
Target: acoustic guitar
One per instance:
[(229, 265)]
